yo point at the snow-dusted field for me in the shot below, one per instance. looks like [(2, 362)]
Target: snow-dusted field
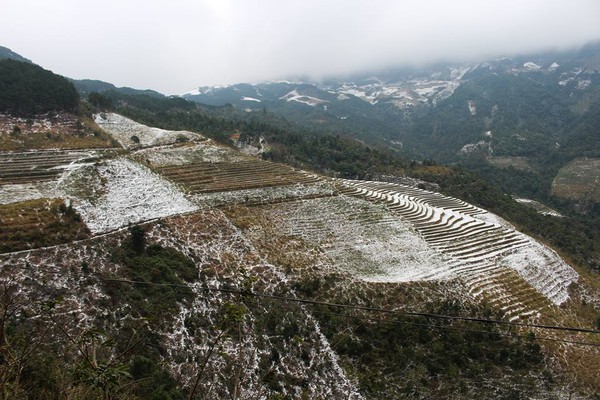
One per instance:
[(28, 191), (187, 154), (125, 131), (376, 231), (362, 238), (121, 192), (474, 242)]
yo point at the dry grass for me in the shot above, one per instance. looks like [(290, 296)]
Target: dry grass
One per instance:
[(520, 163), (64, 131), (38, 223), (578, 180), (229, 176)]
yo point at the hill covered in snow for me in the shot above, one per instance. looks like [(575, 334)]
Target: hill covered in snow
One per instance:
[(228, 275)]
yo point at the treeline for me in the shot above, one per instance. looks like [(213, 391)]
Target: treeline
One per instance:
[(27, 89)]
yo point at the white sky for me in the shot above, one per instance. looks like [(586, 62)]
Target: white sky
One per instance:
[(174, 46)]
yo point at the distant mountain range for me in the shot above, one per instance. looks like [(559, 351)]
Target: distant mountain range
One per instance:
[(444, 111)]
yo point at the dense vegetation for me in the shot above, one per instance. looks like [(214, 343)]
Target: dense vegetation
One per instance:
[(149, 265), (49, 357), (405, 357), (29, 89)]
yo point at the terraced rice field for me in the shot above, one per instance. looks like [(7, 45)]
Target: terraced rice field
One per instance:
[(580, 180), (499, 265), (38, 166), (208, 177)]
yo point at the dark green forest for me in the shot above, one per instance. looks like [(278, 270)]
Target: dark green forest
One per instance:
[(29, 89)]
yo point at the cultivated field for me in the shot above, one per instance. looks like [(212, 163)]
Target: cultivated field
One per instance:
[(579, 180), (248, 223)]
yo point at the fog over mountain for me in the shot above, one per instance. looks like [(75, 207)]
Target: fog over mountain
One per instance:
[(175, 46)]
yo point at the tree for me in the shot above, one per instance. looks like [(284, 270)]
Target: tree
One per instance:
[(99, 100)]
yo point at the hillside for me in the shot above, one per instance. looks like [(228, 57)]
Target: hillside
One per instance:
[(515, 121), (29, 89), (208, 273)]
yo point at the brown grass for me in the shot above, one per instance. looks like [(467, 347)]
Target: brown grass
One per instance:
[(38, 223), (64, 131)]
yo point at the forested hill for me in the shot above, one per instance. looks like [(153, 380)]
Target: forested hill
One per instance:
[(6, 53), (26, 88)]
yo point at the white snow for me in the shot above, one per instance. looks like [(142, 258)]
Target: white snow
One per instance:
[(125, 192), (124, 129), (583, 83), (193, 92), (553, 67), (473, 243), (531, 66), (472, 107), (565, 82), (308, 100), (542, 209), (245, 98), (29, 191)]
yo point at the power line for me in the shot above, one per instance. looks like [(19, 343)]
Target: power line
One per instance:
[(511, 335), (248, 293), (362, 308)]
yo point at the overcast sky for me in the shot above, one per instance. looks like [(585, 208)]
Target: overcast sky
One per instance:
[(176, 45)]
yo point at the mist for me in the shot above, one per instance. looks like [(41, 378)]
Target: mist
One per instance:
[(178, 45)]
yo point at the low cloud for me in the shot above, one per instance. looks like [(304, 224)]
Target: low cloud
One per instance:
[(178, 45)]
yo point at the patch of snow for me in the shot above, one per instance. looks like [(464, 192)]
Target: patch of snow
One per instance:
[(541, 208), (124, 130), (531, 66), (543, 269), (180, 155), (28, 191), (472, 108), (262, 195), (583, 83), (193, 92), (245, 98), (126, 192), (297, 97), (553, 67), (565, 82)]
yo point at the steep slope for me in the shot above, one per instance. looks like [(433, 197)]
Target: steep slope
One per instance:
[(223, 269)]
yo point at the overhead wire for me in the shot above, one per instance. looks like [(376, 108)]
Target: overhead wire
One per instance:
[(248, 293)]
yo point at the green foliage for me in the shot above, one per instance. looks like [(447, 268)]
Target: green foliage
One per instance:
[(99, 101), (161, 274), (330, 154), (409, 356), (29, 89)]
